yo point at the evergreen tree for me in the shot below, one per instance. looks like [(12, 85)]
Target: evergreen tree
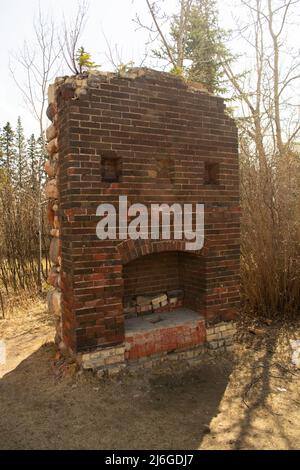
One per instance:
[(195, 45), (32, 153), (21, 163), (84, 61), (1, 151), (8, 152), (205, 46), (41, 159)]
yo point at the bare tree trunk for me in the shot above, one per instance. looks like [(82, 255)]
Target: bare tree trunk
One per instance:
[(161, 34), (185, 7)]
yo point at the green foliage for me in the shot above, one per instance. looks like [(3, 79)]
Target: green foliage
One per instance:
[(198, 48), (179, 71), (205, 46), (8, 150), (84, 61), (22, 211), (33, 162), (21, 164), (21, 160)]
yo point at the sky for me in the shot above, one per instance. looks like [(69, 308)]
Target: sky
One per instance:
[(112, 19)]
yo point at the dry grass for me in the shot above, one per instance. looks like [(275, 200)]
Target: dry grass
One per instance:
[(270, 235)]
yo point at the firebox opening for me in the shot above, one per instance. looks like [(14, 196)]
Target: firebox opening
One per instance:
[(163, 282)]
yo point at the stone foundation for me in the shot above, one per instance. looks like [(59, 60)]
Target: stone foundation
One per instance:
[(54, 297), (111, 361), (220, 336), (103, 359)]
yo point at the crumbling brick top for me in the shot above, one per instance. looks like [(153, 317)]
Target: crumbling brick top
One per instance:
[(94, 77)]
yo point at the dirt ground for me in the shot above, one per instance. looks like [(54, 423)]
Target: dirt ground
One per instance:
[(249, 401)]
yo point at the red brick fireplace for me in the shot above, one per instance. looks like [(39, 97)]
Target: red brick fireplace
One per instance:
[(156, 139)]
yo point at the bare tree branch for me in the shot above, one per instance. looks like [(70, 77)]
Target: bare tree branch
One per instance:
[(72, 32), (162, 36)]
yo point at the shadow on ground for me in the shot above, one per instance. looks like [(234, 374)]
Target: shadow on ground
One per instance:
[(161, 409), (260, 408)]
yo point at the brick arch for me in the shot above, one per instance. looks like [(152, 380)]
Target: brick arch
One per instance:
[(130, 250)]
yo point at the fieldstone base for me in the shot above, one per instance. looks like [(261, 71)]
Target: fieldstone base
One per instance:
[(110, 361), (192, 355), (104, 358), (220, 337)]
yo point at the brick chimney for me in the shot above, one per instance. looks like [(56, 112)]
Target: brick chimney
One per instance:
[(156, 139)]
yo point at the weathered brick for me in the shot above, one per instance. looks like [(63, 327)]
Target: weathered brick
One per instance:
[(163, 134)]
